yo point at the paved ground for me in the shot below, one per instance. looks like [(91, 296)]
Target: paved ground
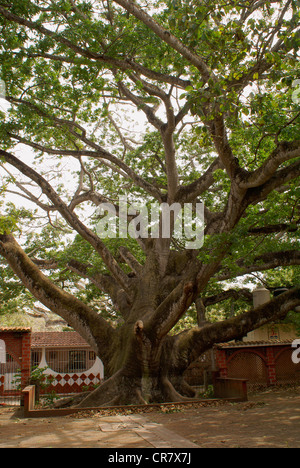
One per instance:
[(270, 419)]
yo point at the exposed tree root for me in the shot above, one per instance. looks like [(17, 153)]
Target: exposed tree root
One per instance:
[(182, 387), (70, 401), (118, 390), (122, 391)]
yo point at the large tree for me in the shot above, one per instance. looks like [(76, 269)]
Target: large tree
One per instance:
[(166, 102)]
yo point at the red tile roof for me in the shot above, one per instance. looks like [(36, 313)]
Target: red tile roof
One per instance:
[(57, 340), (15, 329), (251, 344)]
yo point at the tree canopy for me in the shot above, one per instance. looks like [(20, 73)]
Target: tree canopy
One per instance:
[(165, 102)]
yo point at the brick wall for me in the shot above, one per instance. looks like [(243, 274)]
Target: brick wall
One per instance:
[(26, 359), (221, 361), (273, 364), (18, 346), (270, 361)]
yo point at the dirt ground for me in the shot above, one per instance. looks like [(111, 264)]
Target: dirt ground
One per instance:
[(270, 419)]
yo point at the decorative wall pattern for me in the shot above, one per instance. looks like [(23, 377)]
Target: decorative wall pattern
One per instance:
[(69, 360)]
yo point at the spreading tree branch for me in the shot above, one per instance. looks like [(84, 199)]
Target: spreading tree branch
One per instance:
[(71, 218), (166, 36), (81, 317), (262, 262), (285, 151)]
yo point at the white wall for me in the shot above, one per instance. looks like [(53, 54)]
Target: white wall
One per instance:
[(2, 352)]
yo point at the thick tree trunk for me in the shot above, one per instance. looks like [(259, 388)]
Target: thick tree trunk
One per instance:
[(140, 371), (133, 368), (143, 378)]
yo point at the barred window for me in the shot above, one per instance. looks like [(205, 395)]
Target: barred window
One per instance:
[(64, 361), (77, 361), (36, 357)]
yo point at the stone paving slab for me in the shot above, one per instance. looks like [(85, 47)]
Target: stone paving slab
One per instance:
[(153, 433)]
